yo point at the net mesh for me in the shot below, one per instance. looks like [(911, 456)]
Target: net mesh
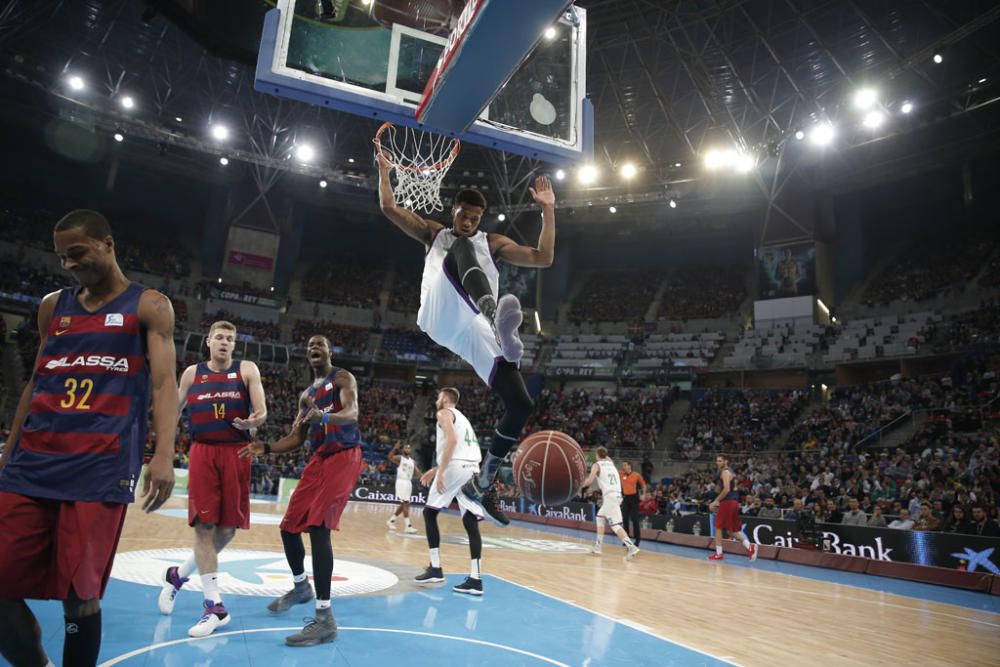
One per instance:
[(420, 159)]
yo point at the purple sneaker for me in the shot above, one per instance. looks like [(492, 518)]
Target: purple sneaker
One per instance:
[(215, 616), (172, 583)]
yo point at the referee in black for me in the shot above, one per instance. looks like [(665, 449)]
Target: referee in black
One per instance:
[(631, 481)]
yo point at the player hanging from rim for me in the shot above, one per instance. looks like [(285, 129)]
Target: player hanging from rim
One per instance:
[(219, 394), (610, 483), (328, 419), (727, 508), (460, 310), (405, 468)]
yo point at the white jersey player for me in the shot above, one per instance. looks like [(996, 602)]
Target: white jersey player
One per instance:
[(609, 481), (457, 458), (405, 468), (460, 306)]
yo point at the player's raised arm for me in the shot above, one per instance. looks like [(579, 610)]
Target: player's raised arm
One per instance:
[(157, 316), (393, 456), (542, 255), (412, 224), (44, 317)]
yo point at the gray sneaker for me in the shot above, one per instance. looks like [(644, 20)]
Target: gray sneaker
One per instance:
[(302, 592), (319, 630), (505, 325)]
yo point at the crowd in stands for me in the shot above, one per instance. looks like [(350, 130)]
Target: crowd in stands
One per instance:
[(974, 327), (344, 283), (405, 297), (261, 331), (409, 346), (931, 266), (738, 421), (706, 293), (615, 296)]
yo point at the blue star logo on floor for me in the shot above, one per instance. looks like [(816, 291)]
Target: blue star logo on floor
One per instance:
[(977, 559), (510, 625)]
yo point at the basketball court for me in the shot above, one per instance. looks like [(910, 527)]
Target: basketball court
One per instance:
[(546, 600)]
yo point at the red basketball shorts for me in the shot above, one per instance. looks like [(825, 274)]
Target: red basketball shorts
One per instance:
[(728, 516), (323, 491), (48, 547), (218, 485)]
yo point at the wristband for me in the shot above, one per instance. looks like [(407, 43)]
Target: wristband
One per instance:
[(267, 449), (325, 419)]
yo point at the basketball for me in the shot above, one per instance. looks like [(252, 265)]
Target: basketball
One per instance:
[(549, 467)]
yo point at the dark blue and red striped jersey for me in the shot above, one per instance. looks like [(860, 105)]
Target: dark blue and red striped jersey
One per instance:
[(214, 400), (85, 431), (329, 439)]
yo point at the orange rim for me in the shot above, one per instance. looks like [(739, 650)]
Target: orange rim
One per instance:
[(438, 166)]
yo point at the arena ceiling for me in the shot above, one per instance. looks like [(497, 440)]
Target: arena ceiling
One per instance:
[(670, 80)]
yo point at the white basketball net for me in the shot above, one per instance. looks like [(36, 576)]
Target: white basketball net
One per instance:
[(420, 160)]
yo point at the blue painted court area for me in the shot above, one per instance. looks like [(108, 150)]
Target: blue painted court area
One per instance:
[(510, 625)]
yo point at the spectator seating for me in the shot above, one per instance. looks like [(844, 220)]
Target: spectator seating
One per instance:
[(783, 345), (874, 338), (679, 350)]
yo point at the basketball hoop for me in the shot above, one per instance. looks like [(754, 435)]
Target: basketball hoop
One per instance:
[(420, 159)]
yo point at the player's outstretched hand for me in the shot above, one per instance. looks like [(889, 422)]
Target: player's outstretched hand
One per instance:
[(252, 449), (427, 477), (157, 483), (382, 161), (253, 421), (542, 192)]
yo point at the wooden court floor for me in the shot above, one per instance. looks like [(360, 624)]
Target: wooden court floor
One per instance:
[(750, 615)]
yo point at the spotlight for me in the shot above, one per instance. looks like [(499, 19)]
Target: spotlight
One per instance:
[(799, 135), (613, 209), (322, 183), (178, 119), (127, 102), (628, 170), (220, 132), (938, 58), (677, 164), (744, 163), (673, 203), (821, 134), (223, 161), (305, 153), (119, 136), (76, 82), (716, 158), (550, 33), (873, 119), (350, 160), (907, 107), (501, 217), (220, 280), (865, 98), (588, 174), (560, 174)]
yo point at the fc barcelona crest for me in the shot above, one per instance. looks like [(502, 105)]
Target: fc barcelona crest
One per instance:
[(64, 322)]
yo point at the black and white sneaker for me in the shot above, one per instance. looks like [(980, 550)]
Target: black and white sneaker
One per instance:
[(432, 575), (470, 586), (487, 498)]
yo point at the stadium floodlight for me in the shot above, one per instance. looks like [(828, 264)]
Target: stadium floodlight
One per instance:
[(178, 119), (673, 203), (550, 33), (907, 107), (127, 102), (718, 158), (223, 160), (220, 132), (628, 170), (938, 58), (322, 183), (799, 135), (613, 209), (865, 98), (588, 174), (821, 134), (744, 163), (560, 174), (501, 217), (119, 136), (76, 82), (304, 153), (873, 119)]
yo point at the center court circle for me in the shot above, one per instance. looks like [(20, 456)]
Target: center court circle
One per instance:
[(340, 644), (249, 572)]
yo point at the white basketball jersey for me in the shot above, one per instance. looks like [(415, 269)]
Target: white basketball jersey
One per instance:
[(467, 447), (442, 309), (404, 471), (608, 478)]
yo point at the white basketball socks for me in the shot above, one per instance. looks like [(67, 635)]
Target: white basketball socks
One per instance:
[(436, 557), (210, 586), (187, 567)]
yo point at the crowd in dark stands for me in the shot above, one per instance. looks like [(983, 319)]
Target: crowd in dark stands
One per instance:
[(350, 339), (260, 330), (738, 420), (975, 327), (344, 283), (405, 297), (615, 296), (706, 293)]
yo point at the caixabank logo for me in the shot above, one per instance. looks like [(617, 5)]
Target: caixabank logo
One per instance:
[(246, 572), (558, 512)]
